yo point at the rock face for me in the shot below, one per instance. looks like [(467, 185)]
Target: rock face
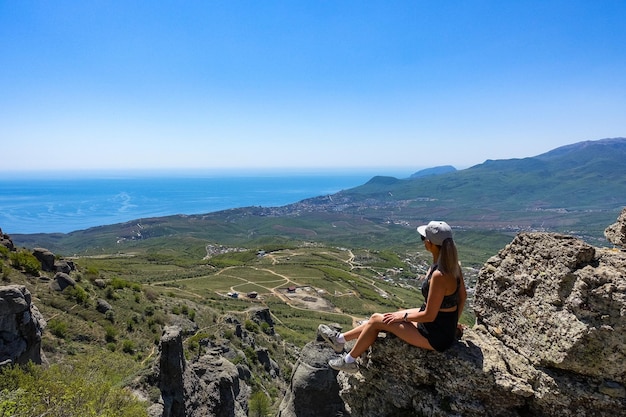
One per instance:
[(5, 240), (549, 340), (45, 257), (210, 386), (21, 326), (313, 391), (616, 233), (559, 302)]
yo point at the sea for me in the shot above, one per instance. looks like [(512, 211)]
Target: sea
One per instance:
[(62, 204)]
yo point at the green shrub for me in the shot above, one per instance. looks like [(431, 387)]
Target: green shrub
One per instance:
[(92, 273), (81, 388), (110, 294), (26, 261), (57, 328), (149, 311), (6, 272), (78, 294), (251, 355), (251, 326), (110, 316), (110, 334), (259, 405), (128, 346), (151, 295), (4, 251)]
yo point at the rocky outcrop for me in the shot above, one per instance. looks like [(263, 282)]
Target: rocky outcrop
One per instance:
[(616, 233), (61, 281), (209, 386), (548, 341), (261, 315), (558, 302), (5, 240), (49, 263), (313, 390), (46, 258), (102, 306), (21, 326)]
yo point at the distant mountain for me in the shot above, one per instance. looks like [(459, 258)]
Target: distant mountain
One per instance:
[(585, 175), (555, 190), (433, 171)]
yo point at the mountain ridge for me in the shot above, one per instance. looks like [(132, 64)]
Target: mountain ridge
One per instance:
[(551, 180)]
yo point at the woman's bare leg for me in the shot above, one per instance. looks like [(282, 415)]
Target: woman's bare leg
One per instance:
[(354, 333), (367, 333)]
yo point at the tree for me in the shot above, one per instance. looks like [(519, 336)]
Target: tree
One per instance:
[(259, 405)]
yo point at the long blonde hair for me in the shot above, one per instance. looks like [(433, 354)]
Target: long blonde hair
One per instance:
[(448, 261)]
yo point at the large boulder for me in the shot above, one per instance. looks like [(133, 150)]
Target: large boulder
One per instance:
[(559, 302), (46, 258), (21, 326), (314, 390), (616, 233), (61, 281)]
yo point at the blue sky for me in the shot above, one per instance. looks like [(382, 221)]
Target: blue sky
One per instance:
[(118, 85)]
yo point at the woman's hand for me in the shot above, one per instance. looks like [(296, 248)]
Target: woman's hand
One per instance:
[(459, 331), (394, 317)]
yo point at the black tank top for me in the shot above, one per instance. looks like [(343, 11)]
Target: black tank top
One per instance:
[(448, 301)]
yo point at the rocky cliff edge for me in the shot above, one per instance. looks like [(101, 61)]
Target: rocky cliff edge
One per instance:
[(549, 340)]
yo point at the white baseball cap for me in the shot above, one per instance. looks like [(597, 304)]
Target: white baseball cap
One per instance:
[(436, 232)]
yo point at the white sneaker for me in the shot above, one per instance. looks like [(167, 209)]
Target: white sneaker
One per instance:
[(340, 364), (330, 336)]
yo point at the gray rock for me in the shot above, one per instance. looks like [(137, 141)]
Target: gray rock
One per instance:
[(263, 315), (616, 233), (103, 306), (21, 326), (559, 302), (46, 258), (209, 386), (63, 266), (264, 358), (186, 326), (5, 240), (62, 281), (314, 390)]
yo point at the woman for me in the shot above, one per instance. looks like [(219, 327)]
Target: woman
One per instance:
[(434, 325)]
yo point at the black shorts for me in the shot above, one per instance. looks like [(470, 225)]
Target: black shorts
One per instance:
[(441, 333)]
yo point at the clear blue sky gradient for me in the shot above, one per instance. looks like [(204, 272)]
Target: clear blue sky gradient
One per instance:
[(305, 84)]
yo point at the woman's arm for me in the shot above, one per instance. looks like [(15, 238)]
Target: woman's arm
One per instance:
[(435, 297), (462, 296)]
